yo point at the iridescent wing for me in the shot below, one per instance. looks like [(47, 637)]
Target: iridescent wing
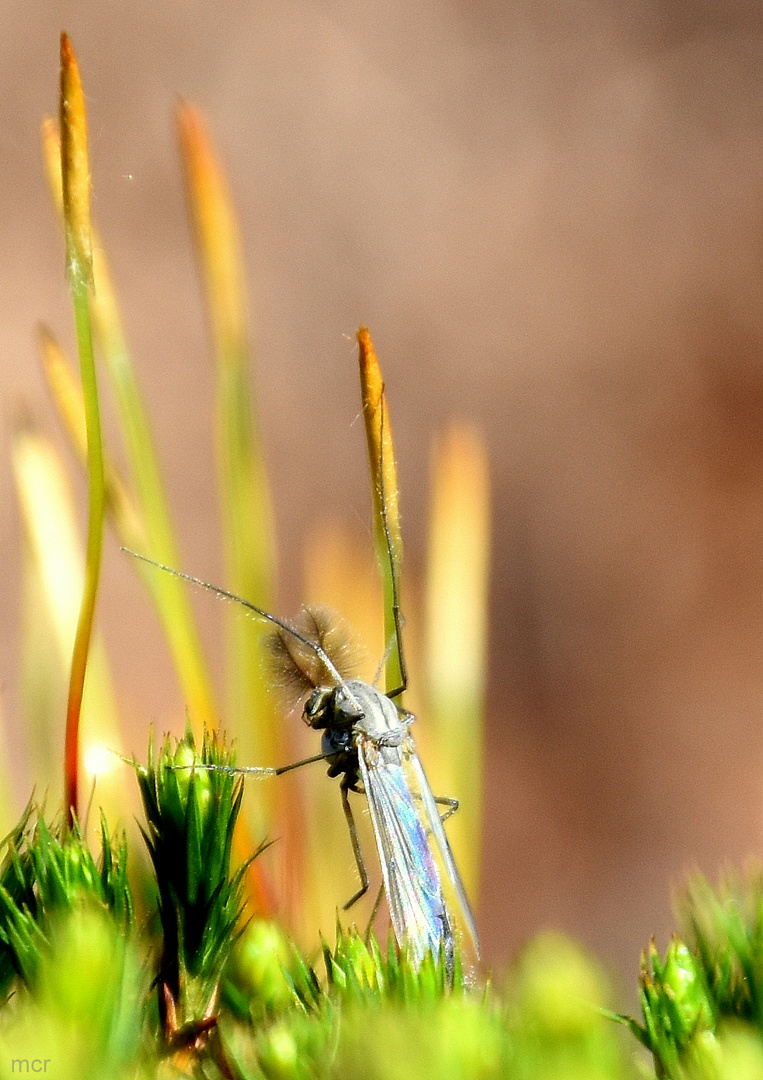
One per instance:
[(411, 881), (432, 817)]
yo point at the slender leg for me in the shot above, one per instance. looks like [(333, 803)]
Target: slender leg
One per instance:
[(374, 911), (443, 800), (452, 805), (362, 872), (253, 770)]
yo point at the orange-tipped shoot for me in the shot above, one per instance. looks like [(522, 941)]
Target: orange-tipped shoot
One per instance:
[(75, 169), (75, 176), (386, 504), (216, 231)]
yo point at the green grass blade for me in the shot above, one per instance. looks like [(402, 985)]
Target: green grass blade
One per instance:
[(157, 536)]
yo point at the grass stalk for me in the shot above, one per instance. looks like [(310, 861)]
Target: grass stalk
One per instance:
[(75, 172), (245, 500), (386, 501), (150, 527)]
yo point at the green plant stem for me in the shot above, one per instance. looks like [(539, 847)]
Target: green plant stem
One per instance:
[(96, 508), (75, 183)]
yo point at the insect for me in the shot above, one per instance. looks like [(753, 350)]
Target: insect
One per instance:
[(366, 741)]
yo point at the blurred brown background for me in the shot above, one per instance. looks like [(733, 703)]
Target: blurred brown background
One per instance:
[(551, 217)]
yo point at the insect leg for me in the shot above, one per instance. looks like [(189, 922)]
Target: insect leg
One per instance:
[(442, 800), (452, 805), (309, 761), (374, 911), (362, 872), (252, 770)]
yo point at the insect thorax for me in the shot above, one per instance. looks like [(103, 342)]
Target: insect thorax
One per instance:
[(356, 718), (358, 706)]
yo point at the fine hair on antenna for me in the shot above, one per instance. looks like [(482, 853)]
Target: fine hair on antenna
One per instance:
[(223, 594)]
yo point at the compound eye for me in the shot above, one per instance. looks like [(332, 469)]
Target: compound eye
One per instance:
[(315, 709)]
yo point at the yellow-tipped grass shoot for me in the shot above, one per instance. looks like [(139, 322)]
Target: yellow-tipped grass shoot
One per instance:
[(386, 504), (75, 168), (75, 176), (158, 539), (217, 237), (246, 507), (456, 632)]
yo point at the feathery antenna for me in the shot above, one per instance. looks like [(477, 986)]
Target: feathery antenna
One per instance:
[(282, 625)]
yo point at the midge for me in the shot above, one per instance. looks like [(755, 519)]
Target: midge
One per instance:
[(366, 740)]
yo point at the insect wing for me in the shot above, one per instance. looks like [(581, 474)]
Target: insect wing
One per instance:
[(432, 816), (411, 881)]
